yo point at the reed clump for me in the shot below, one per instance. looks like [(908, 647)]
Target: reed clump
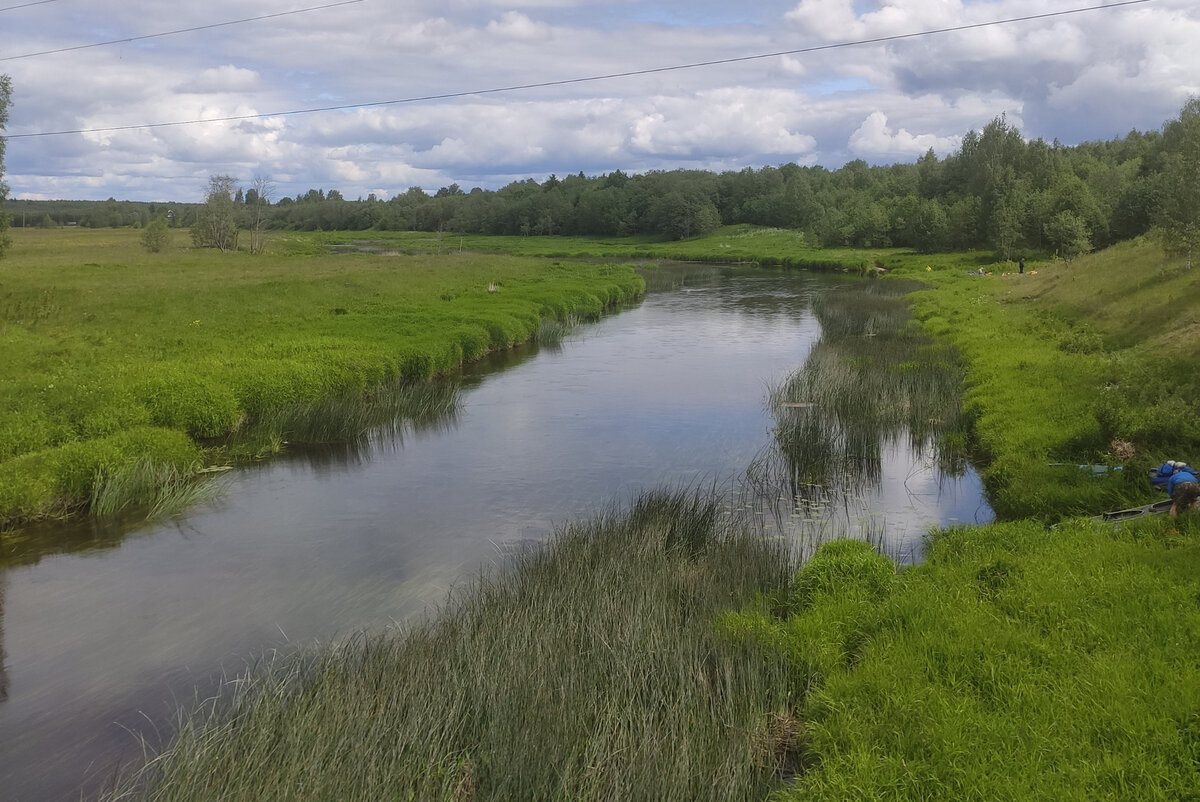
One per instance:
[(871, 381), (388, 410), (551, 330), (586, 669)]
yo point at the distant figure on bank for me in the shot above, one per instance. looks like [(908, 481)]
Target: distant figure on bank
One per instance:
[(1021, 264), (1183, 489)]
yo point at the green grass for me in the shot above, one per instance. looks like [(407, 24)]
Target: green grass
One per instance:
[(1091, 364), (585, 670), (767, 247), (99, 337), (665, 654), (1015, 663)]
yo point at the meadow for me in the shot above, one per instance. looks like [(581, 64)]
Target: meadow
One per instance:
[(666, 651), (766, 247), (122, 364)]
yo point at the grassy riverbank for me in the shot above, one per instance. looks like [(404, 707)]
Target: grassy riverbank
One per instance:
[(767, 247), (665, 653), (1021, 661), (1091, 364), (115, 358), (1015, 663)]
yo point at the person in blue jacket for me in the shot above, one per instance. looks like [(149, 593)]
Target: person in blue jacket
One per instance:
[(1183, 489)]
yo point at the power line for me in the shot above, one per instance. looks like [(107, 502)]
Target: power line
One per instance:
[(27, 5), (172, 33), (592, 78)]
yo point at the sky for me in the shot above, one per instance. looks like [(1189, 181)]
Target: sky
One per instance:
[(421, 92)]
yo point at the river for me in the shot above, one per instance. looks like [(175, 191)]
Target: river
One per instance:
[(107, 628)]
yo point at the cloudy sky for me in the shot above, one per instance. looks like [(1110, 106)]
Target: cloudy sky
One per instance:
[(376, 65)]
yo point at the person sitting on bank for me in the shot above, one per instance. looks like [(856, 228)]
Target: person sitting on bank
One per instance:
[(1183, 489)]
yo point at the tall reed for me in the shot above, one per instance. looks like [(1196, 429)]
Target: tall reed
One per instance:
[(351, 419), (872, 380), (587, 669)]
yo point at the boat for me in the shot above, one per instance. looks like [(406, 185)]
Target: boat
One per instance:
[(1157, 508)]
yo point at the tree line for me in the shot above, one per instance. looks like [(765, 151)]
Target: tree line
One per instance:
[(997, 192)]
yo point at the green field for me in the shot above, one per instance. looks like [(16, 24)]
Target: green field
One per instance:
[(661, 652), (120, 361), (768, 247)]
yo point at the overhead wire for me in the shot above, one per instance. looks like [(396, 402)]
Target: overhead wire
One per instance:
[(591, 78), (192, 29), (27, 5)]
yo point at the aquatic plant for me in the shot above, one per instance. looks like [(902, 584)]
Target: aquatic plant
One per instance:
[(162, 488), (551, 331), (873, 380), (586, 669)]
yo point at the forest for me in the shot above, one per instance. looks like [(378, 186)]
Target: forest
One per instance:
[(998, 192)]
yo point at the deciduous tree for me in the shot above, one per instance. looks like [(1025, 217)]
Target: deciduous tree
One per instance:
[(258, 199), (1068, 234), (216, 221), (1179, 202), (5, 101)]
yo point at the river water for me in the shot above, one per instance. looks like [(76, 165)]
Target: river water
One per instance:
[(106, 629)]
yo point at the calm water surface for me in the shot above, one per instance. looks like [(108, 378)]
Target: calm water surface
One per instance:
[(100, 644)]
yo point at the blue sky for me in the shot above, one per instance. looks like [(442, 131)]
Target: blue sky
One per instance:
[(1083, 76)]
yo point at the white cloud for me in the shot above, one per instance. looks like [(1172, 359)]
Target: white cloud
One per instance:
[(874, 139), (515, 25), (224, 79), (1082, 76)]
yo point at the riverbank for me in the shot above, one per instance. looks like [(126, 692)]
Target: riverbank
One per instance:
[(1070, 367), (1020, 660), (125, 367), (664, 645)]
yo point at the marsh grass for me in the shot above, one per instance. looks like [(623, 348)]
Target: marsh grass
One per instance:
[(551, 331), (387, 411), (161, 488), (872, 381), (665, 276), (586, 669)]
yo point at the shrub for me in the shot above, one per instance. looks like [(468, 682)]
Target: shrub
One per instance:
[(155, 235)]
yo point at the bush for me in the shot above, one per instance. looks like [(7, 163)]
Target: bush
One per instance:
[(155, 235)]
